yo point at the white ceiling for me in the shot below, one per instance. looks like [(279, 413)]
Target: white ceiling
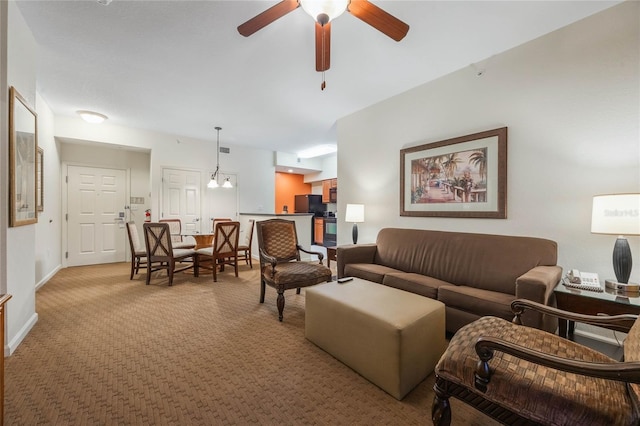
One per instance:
[(180, 67)]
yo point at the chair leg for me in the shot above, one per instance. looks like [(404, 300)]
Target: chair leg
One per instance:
[(133, 267), (170, 271), (215, 270), (262, 289), (250, 260), (235, 264), (280, 303), (148, 272), (298, 290), (440, 410)]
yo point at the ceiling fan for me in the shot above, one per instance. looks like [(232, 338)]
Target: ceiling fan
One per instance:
[(323, 12)]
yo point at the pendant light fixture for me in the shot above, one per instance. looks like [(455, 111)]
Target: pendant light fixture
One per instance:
[(213, 183)]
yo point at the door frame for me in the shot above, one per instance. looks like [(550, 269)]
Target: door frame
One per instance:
[(64, 204)]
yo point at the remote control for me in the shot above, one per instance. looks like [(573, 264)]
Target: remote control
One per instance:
[(344, 280)]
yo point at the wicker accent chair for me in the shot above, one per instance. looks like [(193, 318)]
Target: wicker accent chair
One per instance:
[(224, 250), (138, 252), (162, 256), (280, 263), (175, 226), (244, 249), (525, 376)]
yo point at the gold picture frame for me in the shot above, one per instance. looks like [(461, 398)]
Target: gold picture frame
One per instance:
[(463, 177), (23, 146), (40, 180)]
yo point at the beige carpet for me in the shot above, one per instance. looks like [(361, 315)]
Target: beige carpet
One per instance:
[(110, 351)]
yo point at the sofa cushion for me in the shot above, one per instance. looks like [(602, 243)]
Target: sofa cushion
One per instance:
[(415, 283), (471, 299), (491, 262), (368, 271)]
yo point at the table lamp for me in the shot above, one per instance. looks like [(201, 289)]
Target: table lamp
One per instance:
[(617, 214), (355, 214)]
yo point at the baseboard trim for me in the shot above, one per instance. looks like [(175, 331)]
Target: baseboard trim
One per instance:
[(46, 278), (601, 338), (20, 336)]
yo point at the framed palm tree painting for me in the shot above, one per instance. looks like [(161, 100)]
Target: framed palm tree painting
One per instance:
[(464, 177)]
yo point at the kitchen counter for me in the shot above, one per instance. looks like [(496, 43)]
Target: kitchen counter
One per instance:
[(277, 214)]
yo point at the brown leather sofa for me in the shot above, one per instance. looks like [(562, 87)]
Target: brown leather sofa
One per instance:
[(474, 275)]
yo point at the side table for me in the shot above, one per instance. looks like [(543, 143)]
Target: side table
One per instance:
[(608, 302), (331, 255)]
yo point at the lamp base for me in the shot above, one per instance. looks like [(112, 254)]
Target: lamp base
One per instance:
[(622, 260), (354, 234), (615, 285)]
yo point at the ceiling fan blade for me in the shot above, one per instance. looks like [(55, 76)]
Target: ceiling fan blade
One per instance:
[(323, 46), (268, 16), (378, 19)]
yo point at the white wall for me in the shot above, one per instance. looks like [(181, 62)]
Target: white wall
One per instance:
[(48, 229), (18, 275), (255, 169), (570, 100)]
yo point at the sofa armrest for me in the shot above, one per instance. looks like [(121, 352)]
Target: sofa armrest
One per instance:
[(537, 284), (361, 253)]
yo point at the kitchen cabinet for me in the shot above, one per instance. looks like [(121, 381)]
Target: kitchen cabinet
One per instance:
[(327, 184), (318, 230)]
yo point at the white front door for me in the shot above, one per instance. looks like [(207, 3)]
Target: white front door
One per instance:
[(95, 215), (181, 198)]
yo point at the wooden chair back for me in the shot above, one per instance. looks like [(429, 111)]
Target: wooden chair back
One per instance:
[(175, 229)]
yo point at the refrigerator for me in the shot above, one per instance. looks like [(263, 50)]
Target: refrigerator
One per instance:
[(310, 203)]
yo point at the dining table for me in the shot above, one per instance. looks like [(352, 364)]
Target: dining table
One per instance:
[(202, 239)]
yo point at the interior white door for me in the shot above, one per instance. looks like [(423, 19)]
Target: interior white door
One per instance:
[(181, 198), (96, 200)]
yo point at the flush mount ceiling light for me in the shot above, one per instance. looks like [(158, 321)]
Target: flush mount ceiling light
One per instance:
[(213, 183), (91, 116)]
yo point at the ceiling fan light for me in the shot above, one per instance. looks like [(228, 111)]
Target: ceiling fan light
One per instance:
[(331, 8)]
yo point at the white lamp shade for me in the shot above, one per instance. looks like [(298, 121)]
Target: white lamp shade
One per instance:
[(616, 214), (332, 8), (213, 183), (354, 213)]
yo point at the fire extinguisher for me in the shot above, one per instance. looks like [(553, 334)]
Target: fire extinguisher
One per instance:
[(147, 215)]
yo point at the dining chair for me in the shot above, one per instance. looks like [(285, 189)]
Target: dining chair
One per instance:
[(244, 249), (175, 226), (217, 220), (280, 264), (224, 250), (162, 256), (138, 251)]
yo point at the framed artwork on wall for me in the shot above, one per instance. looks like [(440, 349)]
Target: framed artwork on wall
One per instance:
[(40, 179), (23, 146), (463, 177)]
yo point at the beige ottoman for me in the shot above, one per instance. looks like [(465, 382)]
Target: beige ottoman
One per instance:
[(391, 337)]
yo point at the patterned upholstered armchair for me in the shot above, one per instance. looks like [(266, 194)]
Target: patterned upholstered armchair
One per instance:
[(520, 375), (280, 265)]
